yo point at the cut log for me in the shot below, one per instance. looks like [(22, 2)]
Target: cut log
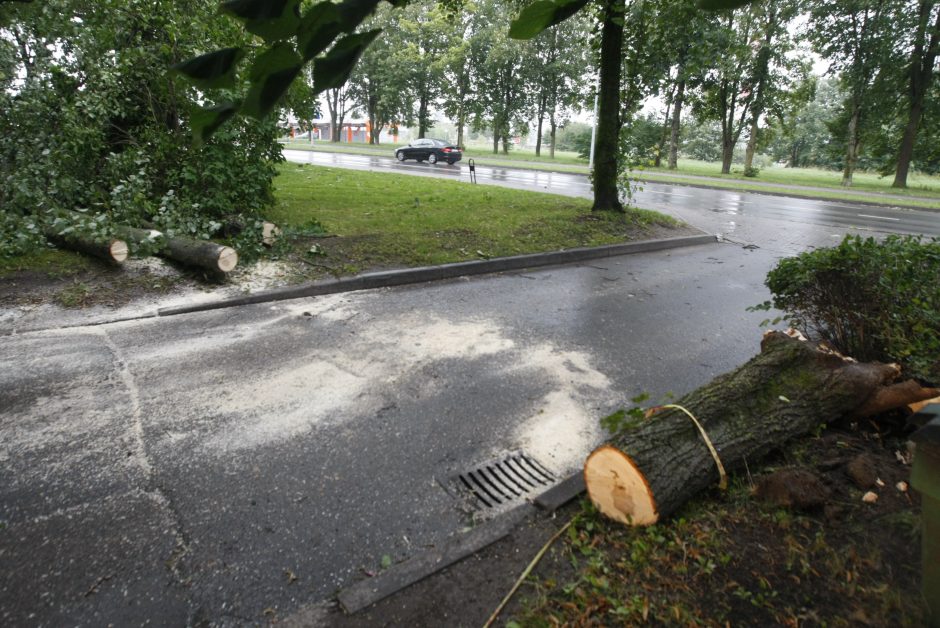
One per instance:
[(208, 255), (270, 232), (110, 249), (656, 465)]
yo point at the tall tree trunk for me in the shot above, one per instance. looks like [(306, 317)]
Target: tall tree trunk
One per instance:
[(461, 122), (332, 104), (921, 75), (727, 153), (422, 115), (374, 128), (751, 146), (851, 147), (554, 131), (906, 152), (794, 155), (676, 121), (666, 124), (541, 117), (606, 158), (496, 127)]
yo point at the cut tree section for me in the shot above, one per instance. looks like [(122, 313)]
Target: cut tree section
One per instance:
[(790, 388)]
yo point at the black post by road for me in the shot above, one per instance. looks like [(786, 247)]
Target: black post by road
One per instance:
[(473, 171)]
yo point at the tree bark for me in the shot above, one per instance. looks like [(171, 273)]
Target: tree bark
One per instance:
[(538, 139), (667, 123), (923, 59), (751, 146), (656, 465), (554, 131), (187, 251), (851, 147), (606, 148), (676, 122), (111, 250), (208, 255)]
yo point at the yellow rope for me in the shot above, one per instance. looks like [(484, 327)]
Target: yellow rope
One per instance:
[(723, 483)]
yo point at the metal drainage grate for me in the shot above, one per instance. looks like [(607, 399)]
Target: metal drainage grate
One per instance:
[(505, 480)]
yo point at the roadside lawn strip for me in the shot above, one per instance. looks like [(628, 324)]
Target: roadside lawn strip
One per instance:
[(923, 193), (382, 220)]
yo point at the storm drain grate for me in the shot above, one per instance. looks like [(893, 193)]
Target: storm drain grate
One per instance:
[(505, 480)]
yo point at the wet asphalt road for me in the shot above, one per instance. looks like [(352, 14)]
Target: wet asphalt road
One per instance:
[(238, 465), (730, 207)]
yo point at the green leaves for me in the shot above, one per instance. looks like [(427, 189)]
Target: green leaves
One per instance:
[(543, 14), (206, 120), (722, 5), (271, 76), (212, 70), (272, 73), (271, 20), (333, 70), (319, 27)]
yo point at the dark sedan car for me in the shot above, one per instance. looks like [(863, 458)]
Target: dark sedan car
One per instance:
[(432, 150)]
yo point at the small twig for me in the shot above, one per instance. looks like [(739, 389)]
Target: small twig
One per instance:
[(525, 574), (95, 586), (331, 268)]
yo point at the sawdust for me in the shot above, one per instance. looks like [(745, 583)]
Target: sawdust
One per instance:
[(323, 385)]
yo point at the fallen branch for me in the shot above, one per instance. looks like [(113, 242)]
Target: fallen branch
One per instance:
[(654, 466)]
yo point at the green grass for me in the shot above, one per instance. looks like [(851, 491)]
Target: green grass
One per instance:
[(387, 220), (747, 185), (918, 184), (54, 263)]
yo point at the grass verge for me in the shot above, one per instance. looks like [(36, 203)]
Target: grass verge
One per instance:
[(390, 221), (653, 176)]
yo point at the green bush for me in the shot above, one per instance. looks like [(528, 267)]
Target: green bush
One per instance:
[(872, 300), (98, 123)]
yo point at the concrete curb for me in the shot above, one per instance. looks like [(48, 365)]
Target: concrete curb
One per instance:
[(392, 580), (423, 274), (562, 493), (367, 592)]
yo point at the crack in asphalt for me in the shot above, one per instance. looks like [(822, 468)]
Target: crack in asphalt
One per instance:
[(151, 488)]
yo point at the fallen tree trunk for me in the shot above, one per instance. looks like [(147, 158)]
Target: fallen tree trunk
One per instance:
[(208, 255), (790, 388), (110, 249)]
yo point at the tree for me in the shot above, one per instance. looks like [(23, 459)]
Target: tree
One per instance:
[(93, 123), (801, 133), (376, 83), (775, 71), (326, 35), (606, 154), (339, 102), (562, 55), (925, 45), (504, 71), (424, 29), (857, 37), (686, 38), (728, 91)]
